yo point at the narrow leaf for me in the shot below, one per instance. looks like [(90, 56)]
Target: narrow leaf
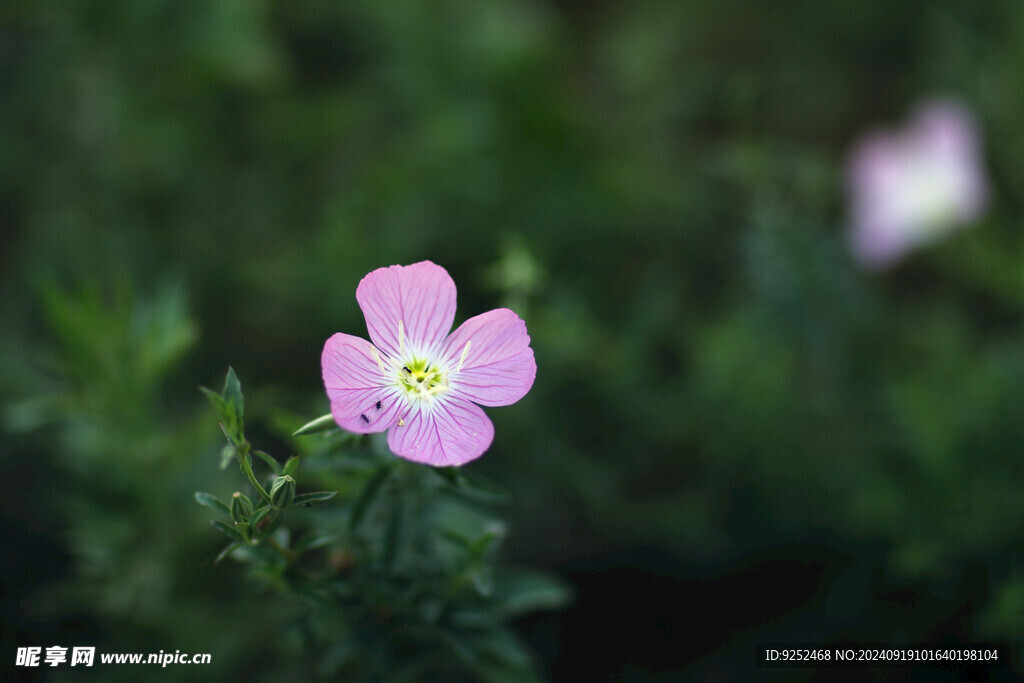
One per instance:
[(274, 524), (291, 465), (396, 526), (459, 539), (314, 540), (227, 551), (483, 582), (259, 514), (233, 390), (270, 460), (232, 423), (227, 454), (449, 474), (231, 439), (368, 496), (306, 498), (318, 425), (475, 487), (227, 530), (522, 591), (480, 546), (215, 399), (212, 502)]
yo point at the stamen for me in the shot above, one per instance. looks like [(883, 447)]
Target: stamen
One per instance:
[(376, 357), (401, 338), (401, 422), (465, 352)]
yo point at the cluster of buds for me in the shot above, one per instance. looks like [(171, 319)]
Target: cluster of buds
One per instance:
[(252, 523)]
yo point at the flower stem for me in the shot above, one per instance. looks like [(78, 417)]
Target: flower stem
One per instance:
[(285, 553), (242, 450)]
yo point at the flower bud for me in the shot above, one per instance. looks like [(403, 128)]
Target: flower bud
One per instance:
[(241, 507), (282, 493)]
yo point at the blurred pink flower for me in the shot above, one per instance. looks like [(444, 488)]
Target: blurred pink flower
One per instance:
[(417, 381), (916, 185)]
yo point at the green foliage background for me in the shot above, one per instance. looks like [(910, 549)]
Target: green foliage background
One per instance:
[(655, 187)]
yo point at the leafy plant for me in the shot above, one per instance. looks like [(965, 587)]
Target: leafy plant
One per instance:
[(398, 574)]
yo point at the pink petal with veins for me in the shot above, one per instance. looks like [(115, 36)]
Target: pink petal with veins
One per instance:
[(450, 432), (499, 368), (421, 296), (355, 385)]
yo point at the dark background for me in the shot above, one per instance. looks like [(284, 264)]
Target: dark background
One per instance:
[(736, 435)]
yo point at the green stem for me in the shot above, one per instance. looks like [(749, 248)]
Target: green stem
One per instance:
[(287, 554), (242, 450)]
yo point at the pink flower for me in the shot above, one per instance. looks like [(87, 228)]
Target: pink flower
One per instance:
[(914, 186), (416, 380)]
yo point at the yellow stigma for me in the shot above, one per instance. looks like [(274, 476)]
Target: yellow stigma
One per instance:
[(420, 380)]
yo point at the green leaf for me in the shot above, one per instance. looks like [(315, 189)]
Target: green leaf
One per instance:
[(233, 391), (459, 647), (368, 496), (449, 474), (500, 644), (307, 498), (227, 530), (475, 487), (502, 657), (243, 529), (269, 459), (430, 609), (521, 591), (227, 551), (212, 502), (259, 514), (229, 434), (320, 424), (215, 399), (315, 540), (291, 465), (494, 655), (337, 657), (395, 528), (483, 581), (227, 454), (274, 524), (479, 547), (231, 425), (461, 540)]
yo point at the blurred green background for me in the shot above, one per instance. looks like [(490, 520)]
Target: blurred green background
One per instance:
[(736, 434)]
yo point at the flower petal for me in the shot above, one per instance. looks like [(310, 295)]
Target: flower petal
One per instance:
[(356, 386), (448, 432), (421, 296), (499, 367)]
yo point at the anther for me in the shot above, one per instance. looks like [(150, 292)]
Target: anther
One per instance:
[(465, 352), (376, 357)]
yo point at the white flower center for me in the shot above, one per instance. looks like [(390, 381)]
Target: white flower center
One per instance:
[(419, 378)]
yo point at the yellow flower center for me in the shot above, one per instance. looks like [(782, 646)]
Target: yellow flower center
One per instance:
[(419, 380)]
